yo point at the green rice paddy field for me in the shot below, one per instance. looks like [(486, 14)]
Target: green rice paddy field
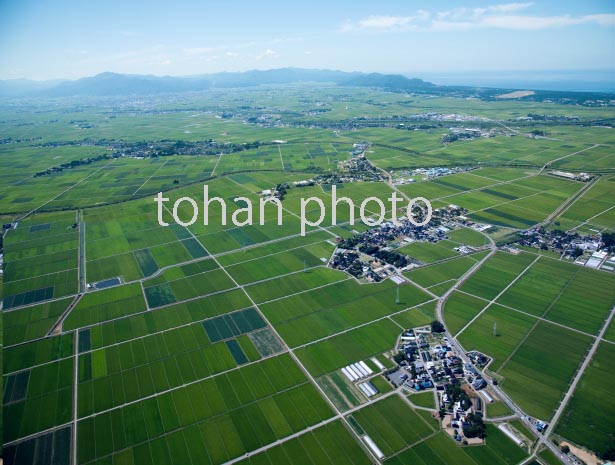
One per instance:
[(211, 342)]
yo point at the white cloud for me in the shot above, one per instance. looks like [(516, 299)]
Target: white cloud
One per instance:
[(198, 51), (385, 23), (499, 16), (525, 22), (267, 54)]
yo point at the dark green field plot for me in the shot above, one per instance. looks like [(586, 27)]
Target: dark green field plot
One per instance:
[(159, 295), (16, 386), (196, 285), (392, 424), (52, 448), (38, 401), (146, 261), (99, 306), (329, 444), (215, 419), (161, 319), (236, 351), (27, 298), (194, 248), (37, 352), (141, 367), (31, 322), (233, 324)]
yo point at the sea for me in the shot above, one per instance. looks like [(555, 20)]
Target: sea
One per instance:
[(600, 80)]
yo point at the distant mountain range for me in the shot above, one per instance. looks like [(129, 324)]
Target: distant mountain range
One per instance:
[(113, 84)]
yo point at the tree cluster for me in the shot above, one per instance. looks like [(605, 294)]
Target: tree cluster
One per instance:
[(474, 427)]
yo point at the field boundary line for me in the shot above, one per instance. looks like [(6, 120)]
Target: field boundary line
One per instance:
[(531, 330), (301, 346), (492, 301), (581, 370)]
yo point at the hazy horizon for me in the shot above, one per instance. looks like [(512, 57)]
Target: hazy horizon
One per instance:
[(591, 80)]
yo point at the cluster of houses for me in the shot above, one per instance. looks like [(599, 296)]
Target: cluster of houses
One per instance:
[(460, 133), (585, 250), (374, 256), (408, 176), (584, 177)]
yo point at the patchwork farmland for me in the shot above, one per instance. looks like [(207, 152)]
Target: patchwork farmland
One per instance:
[(129, 342)]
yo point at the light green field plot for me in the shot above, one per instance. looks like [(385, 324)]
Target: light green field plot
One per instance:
[(536, 378), (441, 449), (292, 243), (549, 457), (107, 304), (392, 424), (443, 272), (594, 210), (588, 418), (497, 409), (225, 416), (294, 283), (197, 285), (321, 312), (419, 316), (340, 350), (132, 370), (511, 328), (460, 309), (423, 399), (496, 274), (428, 252), (281, 263), (576, 297), (468, 236), (329, 444), (40, 260)]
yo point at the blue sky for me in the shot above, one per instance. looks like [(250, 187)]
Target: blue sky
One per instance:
[(46, 39)]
